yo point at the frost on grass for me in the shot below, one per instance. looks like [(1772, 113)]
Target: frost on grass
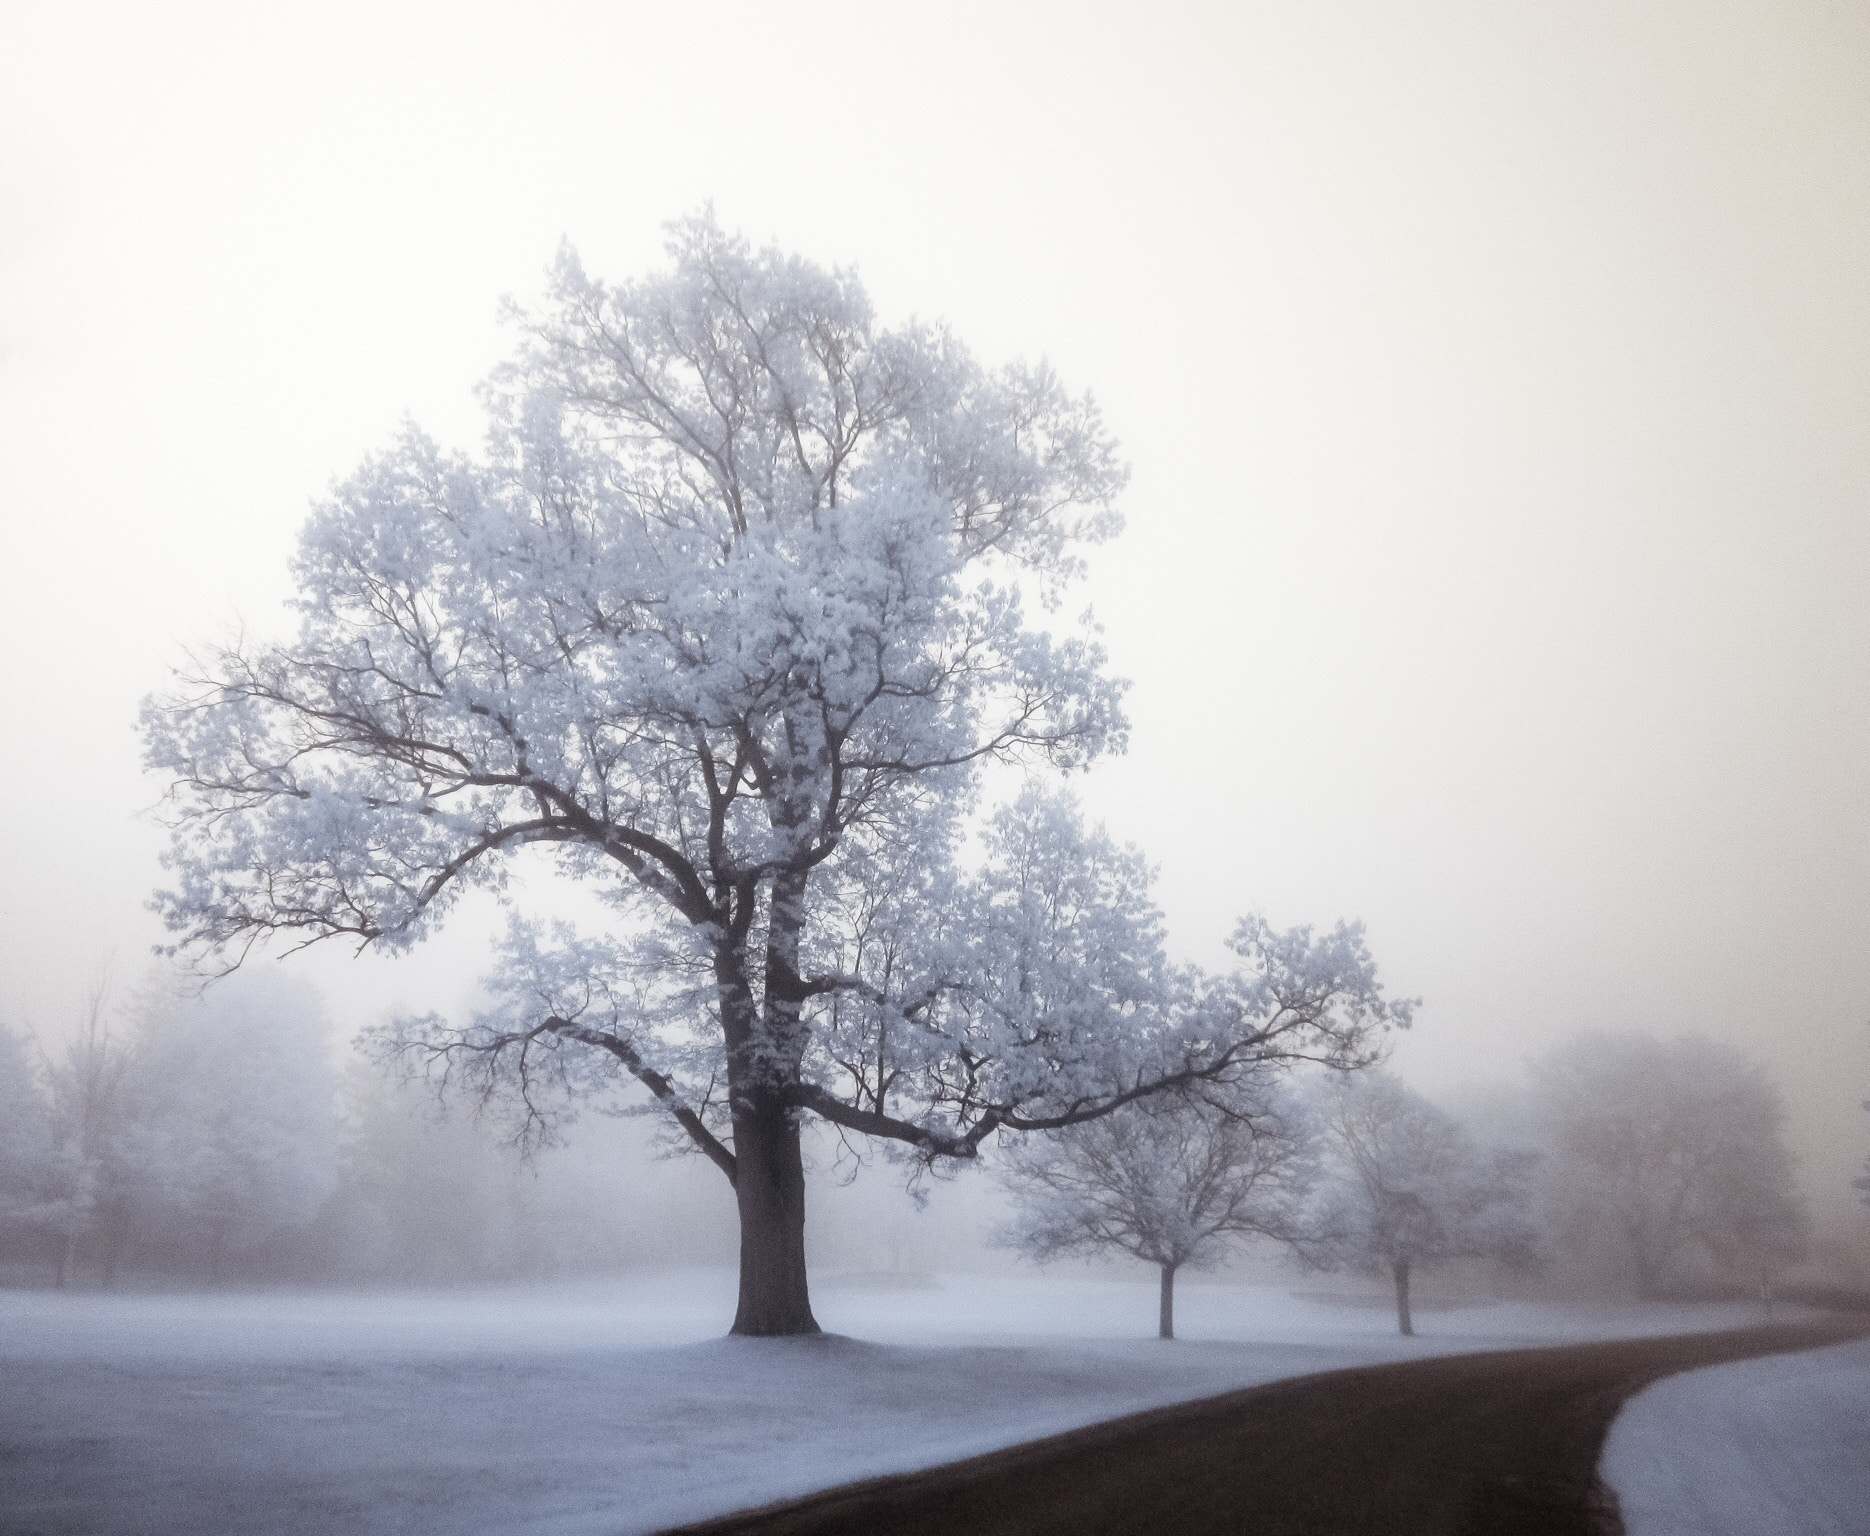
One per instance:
[(599, 1408), (1778, 1446)]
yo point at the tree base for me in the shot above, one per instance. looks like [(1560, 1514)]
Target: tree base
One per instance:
[(763, 1328)]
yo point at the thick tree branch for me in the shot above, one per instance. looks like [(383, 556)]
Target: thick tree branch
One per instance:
[(658, 1084)]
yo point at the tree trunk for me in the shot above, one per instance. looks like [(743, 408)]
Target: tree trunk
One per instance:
[(1165, 1311), (1400, 1270), (769, 1187), (67, 1252), (766, 1042)]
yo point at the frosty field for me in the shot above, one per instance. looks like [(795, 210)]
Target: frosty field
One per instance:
[(1780, 1444), (619, 1408)]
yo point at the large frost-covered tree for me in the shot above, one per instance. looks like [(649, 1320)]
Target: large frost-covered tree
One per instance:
[(1407, 1188), (1171, 1180), (729, 614)]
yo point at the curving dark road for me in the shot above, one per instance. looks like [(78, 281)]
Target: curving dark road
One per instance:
[(1501, 1444)]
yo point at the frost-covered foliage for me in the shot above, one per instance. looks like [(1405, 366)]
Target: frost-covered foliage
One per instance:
[(231, 1119), (729, 615), (1407, 1188), (732, 594), (1018, 996), (1668, 1153), (1171, 1180)]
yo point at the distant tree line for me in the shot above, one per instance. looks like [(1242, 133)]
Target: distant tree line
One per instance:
[(213, 1139), (200, 1135), (1643, 1166)]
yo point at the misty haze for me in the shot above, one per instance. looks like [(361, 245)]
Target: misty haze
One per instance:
[(951, 770)]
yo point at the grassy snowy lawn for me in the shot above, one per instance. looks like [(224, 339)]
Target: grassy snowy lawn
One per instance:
[(1773, 1447), (618, 1408)]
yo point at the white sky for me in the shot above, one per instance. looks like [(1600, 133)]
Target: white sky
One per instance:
[(1496, 378)]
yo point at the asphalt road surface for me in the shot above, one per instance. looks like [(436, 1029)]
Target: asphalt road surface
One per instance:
[(1499, 1444)]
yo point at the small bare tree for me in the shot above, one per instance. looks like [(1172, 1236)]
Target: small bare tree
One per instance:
[(1170, 1182), (1407, 1188)]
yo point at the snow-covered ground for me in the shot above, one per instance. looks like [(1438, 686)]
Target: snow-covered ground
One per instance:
[(619, 1408), (1773, 1447)]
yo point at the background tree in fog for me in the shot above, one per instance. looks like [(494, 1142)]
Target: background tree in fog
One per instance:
[(1864, 1183), (1407, 1189), (1170, 1180), (729, 616), (441, 1198), (1667, 1152), (1755, 1225), (28, 1186), (230, 1120), (90, 1172)]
